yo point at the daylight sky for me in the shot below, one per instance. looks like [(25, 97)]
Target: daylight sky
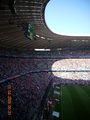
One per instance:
[(68, 17)]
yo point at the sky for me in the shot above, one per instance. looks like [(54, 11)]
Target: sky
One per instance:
[(68, 17)]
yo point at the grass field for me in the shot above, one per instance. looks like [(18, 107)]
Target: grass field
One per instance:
[(74, 103)]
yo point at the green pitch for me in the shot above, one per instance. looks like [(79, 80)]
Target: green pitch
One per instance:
[(74, 103)]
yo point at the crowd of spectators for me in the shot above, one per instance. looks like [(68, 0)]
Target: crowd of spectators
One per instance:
[(3, 102), (16, 66), (29, 84), (71, 82), (46, 54), (27, 93), (29, 78)]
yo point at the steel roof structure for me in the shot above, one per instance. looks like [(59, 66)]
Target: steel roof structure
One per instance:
[(15, 14)]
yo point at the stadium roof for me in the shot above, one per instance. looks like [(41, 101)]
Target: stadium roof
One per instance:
[(16, 15)]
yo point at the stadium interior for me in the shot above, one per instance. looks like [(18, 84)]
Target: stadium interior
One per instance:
[(43, 75)]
